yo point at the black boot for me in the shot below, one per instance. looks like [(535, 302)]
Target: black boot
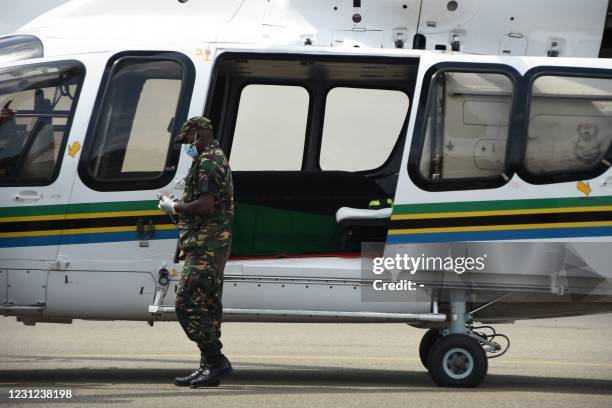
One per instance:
[(185, 381), (213, 372)]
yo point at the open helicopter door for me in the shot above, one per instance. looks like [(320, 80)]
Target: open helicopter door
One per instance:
[(511, 148), (34, 178)]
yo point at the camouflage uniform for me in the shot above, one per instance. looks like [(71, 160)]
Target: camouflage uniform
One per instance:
[(205, 244)]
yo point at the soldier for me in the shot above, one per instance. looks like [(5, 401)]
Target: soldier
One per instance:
[(205, 215)]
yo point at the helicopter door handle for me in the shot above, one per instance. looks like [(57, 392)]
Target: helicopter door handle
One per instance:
[(28, 196)]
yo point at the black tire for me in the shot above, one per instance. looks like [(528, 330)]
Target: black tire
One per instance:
[(427, 342), (457, 361)]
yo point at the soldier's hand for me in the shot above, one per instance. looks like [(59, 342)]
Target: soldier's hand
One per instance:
[(166, 204)]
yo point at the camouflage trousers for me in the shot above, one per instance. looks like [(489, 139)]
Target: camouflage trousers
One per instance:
[(198, 300)]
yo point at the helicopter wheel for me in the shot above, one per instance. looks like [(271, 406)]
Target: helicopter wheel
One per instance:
[(457, 360), (427, 342)]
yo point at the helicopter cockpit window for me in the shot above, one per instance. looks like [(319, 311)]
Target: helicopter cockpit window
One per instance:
[(130, 142), (570, 124), (271, 118), (133, 138), (360, 128), (467, 126), (39, 102)]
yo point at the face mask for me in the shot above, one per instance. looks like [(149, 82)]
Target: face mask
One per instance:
[(191, 150)]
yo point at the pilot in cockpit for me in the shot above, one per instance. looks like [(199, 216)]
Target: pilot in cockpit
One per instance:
[(6, 114), (8, 131)]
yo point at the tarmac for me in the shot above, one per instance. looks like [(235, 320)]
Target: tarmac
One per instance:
[(565, 362)]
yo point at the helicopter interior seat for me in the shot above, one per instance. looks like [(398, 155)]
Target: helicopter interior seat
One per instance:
[(42, 154), (41, 146), (11, 144), (294, 212), (363, 225)]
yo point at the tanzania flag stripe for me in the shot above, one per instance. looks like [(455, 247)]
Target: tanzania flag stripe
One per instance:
[(79, 223), (502, 219), (502, 205), (81, 208), (83, 223), (258, 230), (430, 222)]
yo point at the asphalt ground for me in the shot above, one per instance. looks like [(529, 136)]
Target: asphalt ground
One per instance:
[(552, 363)]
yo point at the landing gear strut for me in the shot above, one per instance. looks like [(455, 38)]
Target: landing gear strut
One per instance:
[(457, 356)]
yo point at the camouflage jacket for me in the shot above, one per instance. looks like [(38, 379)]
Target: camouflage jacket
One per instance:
[(209, 173)]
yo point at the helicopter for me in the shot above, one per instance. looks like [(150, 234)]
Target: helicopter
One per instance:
[(356, 131)]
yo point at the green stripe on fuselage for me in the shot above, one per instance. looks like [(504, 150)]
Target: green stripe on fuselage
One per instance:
[(500, 205), (81, 208)]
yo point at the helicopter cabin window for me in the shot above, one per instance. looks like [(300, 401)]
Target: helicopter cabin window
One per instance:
[(570, 124), (271, 118), (360, 127), (41, 100), (131, 138), (467, 126)]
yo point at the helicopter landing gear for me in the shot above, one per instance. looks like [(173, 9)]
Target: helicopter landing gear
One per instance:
[(457, 356), (457, 360), (427, 342)]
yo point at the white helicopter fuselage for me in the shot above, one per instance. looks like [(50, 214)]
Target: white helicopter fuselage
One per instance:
[(83, 238)]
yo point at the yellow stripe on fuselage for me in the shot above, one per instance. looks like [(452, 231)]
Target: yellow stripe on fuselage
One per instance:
[(500, 212), (113, 214), (502, 227)]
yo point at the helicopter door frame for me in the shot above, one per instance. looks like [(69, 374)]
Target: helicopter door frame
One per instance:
[(33, 201), (470, 209), (293, 209), (121, 240), (36, 189)]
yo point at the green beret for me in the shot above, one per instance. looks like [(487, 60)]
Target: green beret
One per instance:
[(197, 122)]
